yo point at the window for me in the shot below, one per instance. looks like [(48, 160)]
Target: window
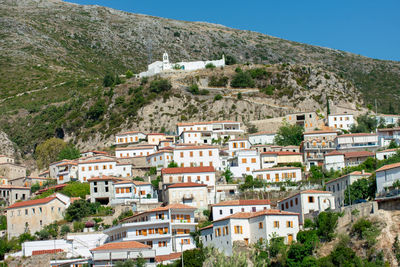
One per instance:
[(96, 168), (40, 210), (207, 178), (291, 203), (181, 154), (242, 209), (41, 223), (287, 205), (198, 178), (33, 210), (310, 199), (95, 189), (231, 211), (162, 244), (276, 224), (338, 187), (253, 160), (104, 167), (191, 154), (220, 212), (282, 207), (296, 201), (210, 164), (170, 179), (260, 225), (189, 179), (110, 167), (268, 176), (253, 209), (247, 169), (289, 224), (238, 229), (26, 211), (83, 169), (90, 168), (244, 160), (210, 153)]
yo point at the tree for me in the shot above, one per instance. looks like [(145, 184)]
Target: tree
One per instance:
[(228, 175), (3, 222), (230, 60), (217, 97), (35, 187), (252, 129), (160, 85), (193, 257), (48, 151), (328, 109), (325, 224), (173, 164), (194, 89), (129, 74), (65, 229), (108, 80), (242, 80), (77, 210), (69, 152), (239, 96), (289, 135), (365, 124), (210, 66), (361, 189), (97, 110), (392, 145)]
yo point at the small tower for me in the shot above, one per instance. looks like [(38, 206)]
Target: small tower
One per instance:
[(165, 61)]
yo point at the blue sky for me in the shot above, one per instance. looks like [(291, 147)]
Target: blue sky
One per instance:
[(370, 28)]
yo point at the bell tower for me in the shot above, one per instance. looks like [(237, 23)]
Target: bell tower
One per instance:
[(165, 61)]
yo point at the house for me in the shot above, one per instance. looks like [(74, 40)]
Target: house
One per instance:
[(93, 153), (340, 121), (386, 176), (355, 158), (66, 171), (13, 193), (262, 138), (102, 189), (308, 120), (201, 175), (9, 169), (29, 181), (155, 138), (315, 145), (274, 148), (308, 201), (197, 156), (165, 229), (224, 192), (338, 186), (334, 161), (222, 129), (227, 208), (386, 135), (164, 65), (160, 159), (191, 194), (129, 137), (388, 119), (126, 191), (357, 141), (100, 167), (237, 144), (32, 215), (385, 154), (109, 253), (271, 159), (197, 137), (279, 174), (135, 151), (6, 159), (244, 162), (250, 227)]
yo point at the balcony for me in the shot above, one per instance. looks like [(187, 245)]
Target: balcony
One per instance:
[(188, 196)]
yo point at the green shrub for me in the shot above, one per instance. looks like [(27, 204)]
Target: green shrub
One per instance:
[(258, 73), (217, 97), (65, 229), (210, 66), (365, 229), (242, 80), (125, 214), (160, 85), (194, 89), (239, 96), (218, 81), (78, 226), (129, 74), (204, 92)]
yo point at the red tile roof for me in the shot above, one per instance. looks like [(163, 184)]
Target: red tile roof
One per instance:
[(389, 129), (46, 251), (319, 132), (96, 161), (311, 191), (187, 170), (8, 186), (171, 206), (168, 257), (186, 185), (207, 227), (55, 187), (31, 202), (156, 134), (195, 147), (129, 132), (388, 150), (358, 154), (248, 215), (134, 148), (140, 183), (277, 169), (203, 122), (352, 173), (121, 245), (104, 178), (388, 167), (356, 134), (243, 202), (334, 153), (239, 139), (280, 153)]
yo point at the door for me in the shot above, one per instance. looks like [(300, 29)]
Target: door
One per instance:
[(246, 241), (290, 239)]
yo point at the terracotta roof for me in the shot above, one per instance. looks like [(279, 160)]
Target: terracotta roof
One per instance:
[(352, 173), (277, 169), (186, 185), (56, 162), (207, 227), (96, 161), (194, 147), (319, 132), (248, 215), (95, 151), (31, 202), (388, 167), (46, 251), (358, 154), (311, 191), (281, 153), (129, 132), (171, 206), (124, 182), (40, 178), (203, 122), (261, 133), (121, 245), (104, 178), (355, 134), (334, 153), (8, 186), (159, 152), (55, 187), (168, 257), (194, 131), (135, 148), (389, 129), (243, 202), (67, 163), (156, 134), (239, 139), (388, 150), (187, 170), (140, 183)]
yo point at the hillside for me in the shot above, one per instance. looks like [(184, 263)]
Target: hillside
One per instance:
[(54, 56)]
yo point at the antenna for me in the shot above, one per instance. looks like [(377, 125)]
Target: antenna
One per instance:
[(149, 51)]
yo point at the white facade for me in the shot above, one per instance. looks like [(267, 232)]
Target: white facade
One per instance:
[(129, 137), (163, 228), (249, 228), (245, 162), (221, 128), (192, 156), (334, 160), (139, 151), (341, 121), (155, 138), (262, 138), (308, 201), (237, 144), (338, 186), (279, 174), (271, 159), (385, 154), (360, 141), (161, 66), (160, 159), (201, 175), (102, 167), (385, 136), (230, 207), (191, 194), (66, 172), (197, 137), (386, 176)]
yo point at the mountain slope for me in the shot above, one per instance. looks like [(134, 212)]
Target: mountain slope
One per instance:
[(54, 53)]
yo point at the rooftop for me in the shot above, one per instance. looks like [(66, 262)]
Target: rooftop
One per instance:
[(352, 173), (277, 169), (121, 245), (248, 215), (358, 154), (388, 167), (280, 153), (311, 191), (31, 202), (187, 170), (177, 185), (203, 122), (243, 202)]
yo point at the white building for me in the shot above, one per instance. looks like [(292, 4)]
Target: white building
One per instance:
[(386, 176), (100, 167), (135, 151), (271, 159), (388, 119), (338, 186), (201, 175), (165, 229), (245, 162), (197, 156), (279, 174), (227, 208), (93, 153), (357, 141), (249, 228), (191, 194), (156, 138), (197, 137), (262, 138), (308, 201), (129, 137), (237, 144), (65, 171), (341, 121), (385, 154), (316, 144), (334, 160), (160, 159), (355, 158), (109, 253), (387, 135), (223, 129), (162, 66)]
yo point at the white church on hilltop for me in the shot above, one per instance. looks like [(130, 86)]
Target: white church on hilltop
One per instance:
[(160, 66)]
